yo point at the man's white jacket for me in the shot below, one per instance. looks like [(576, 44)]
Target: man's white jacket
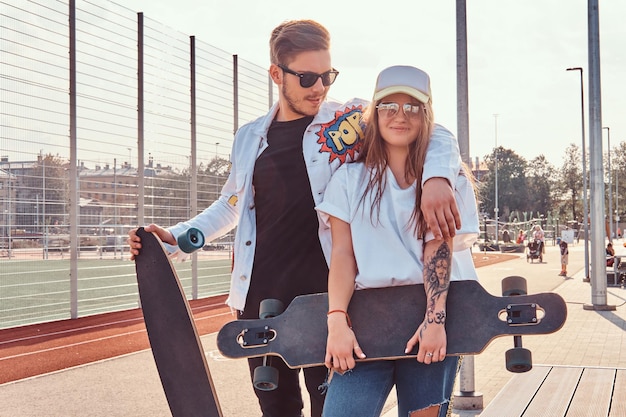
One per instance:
[(333, 138)]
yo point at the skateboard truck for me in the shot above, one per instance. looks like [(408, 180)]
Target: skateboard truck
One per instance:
[(521, 314), (518, 359), (265, 377), (257, 336)]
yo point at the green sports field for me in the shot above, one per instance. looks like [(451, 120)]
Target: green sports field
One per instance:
[(36, 290)]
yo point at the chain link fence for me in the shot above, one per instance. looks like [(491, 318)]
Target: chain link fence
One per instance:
[(108, 120)]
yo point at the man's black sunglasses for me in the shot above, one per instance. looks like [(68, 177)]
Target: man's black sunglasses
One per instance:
[(308, 79)]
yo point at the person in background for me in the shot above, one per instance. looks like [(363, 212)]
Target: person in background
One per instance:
[(281, 164), (610, 254), (506, 236), (538, 235), (380, 239), (520, 237), (564, 257)]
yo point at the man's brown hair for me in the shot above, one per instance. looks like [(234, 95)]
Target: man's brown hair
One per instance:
[(295, 36)]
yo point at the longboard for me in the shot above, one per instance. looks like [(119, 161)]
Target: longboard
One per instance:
[(174, 340), (384, 319)]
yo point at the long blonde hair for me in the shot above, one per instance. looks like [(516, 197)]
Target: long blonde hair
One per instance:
[(374, 155)]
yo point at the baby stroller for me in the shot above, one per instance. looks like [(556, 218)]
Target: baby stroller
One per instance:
[(534, 251)]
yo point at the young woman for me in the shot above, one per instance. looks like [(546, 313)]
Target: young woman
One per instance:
[(539, 235), (380, 239)]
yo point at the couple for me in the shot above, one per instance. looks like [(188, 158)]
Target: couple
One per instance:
[(397, 179)]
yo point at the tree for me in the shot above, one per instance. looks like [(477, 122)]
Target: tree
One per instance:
[(571, 181), (43, 195), (168, 199), (512, 184), (541, 184), (168, 191), (211, 179), (618, 166)]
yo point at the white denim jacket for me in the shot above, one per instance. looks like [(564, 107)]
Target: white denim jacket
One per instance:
[(333, 138)]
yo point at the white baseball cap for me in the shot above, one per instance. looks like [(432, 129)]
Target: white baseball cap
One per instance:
[(403, 79)]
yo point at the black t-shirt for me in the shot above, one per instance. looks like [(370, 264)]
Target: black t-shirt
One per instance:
[(288, 260)]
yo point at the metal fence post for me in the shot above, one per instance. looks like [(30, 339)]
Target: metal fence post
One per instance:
[(467, 398), (74, 199), (194, 170)]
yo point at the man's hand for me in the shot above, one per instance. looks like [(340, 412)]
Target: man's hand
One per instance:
[(439, 208), (135, 242)]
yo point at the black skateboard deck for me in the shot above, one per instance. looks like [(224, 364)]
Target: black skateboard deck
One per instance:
[(175, 343), (385, 319)]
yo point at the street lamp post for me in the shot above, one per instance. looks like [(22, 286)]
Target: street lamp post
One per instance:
[(608, 136), (585, 216), (556, 235), (485, 228), (496, 209), (485, 239), (616, 203)]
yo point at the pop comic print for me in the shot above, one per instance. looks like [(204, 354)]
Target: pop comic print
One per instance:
[(342, 137)]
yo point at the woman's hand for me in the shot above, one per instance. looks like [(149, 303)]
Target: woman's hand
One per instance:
[(431, 336), (341, 346)]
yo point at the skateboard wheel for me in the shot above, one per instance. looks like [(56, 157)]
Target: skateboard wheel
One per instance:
[(519, 360), (270, 307), (514, 285), (265, 378), (190, 240)]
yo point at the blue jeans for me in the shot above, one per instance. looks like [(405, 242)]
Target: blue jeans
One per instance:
[(363, 390)]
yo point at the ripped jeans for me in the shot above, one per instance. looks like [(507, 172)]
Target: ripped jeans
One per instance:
[(363, 390)]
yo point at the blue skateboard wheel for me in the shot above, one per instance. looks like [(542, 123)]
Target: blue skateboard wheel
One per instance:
[(191, 240)]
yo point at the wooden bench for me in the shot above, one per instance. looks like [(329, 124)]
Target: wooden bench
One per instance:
[(557, 391)]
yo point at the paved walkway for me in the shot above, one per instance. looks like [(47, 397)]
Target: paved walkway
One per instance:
[(129, 385), (588, 338)]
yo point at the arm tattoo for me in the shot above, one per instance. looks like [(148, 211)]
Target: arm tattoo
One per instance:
[(436, 283)]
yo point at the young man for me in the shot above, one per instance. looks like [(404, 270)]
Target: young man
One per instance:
[(281, 164)]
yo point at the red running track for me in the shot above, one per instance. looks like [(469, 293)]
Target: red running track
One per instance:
[(41, 348)]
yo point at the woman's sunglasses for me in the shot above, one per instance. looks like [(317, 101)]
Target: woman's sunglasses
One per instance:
[(389, 110), (308, 79)]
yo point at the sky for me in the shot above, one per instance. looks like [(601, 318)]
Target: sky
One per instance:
[(520, 95)]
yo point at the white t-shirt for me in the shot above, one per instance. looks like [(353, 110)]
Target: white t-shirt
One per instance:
[(386, 249)]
